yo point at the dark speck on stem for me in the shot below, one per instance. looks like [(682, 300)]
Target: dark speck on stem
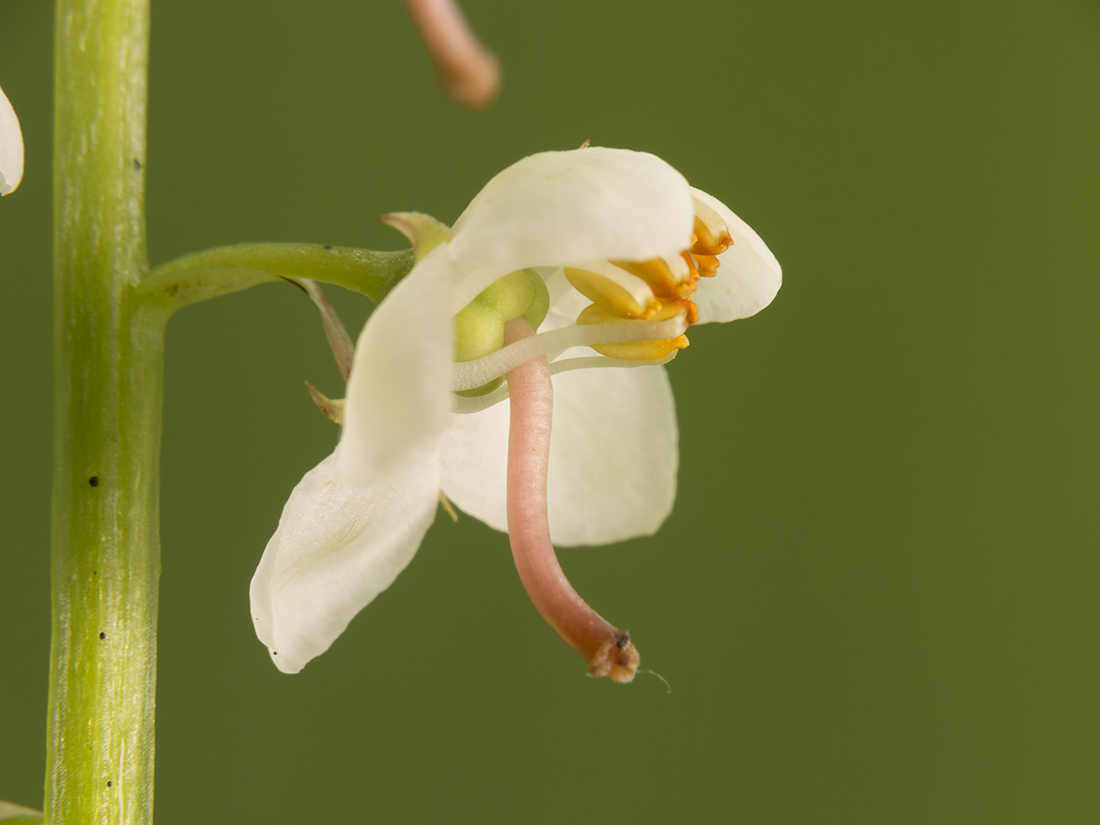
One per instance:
[(326, 246), (94, 481), (102, 635), (137, 164)]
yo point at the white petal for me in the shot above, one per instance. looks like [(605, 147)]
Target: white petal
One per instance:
[(565, 208), (474, 464), (399, 392), (613, 457), (11, 147), (748, 276), (336, 548)]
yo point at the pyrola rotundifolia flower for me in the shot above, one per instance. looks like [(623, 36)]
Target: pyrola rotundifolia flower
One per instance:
[(11, 147), (588, 265)]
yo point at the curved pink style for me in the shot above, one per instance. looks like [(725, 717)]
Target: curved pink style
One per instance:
[(608, 650)]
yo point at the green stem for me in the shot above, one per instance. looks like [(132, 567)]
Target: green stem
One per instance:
[(220, 271), (108, 371)]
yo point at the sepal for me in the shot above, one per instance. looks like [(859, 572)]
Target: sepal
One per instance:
[(343, 349), (332, 408), (424, 232)]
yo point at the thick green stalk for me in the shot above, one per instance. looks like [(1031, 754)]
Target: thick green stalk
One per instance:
[(108, 371)]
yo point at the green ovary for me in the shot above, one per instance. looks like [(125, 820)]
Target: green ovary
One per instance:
[(479, 327)]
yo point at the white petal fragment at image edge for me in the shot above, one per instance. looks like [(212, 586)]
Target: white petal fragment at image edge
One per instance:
[(11, 147)]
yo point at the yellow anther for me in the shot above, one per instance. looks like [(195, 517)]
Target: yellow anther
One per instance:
[(625, 292), (615, 289), (711, 235), (641, 350), (706, 265), (669, 278)]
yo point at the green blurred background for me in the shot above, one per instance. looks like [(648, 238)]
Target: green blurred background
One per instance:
[(876, 600)]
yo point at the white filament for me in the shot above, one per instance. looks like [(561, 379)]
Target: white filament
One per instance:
[(471, 374), (465, 406)]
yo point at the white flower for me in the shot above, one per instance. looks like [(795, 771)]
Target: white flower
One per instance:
[(354, 522), (11, 147)]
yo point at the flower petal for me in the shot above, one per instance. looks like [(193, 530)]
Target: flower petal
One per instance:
[(613, 457), (336, 548), (565, 208), (399, 392), (748, 276), (11, 147)]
